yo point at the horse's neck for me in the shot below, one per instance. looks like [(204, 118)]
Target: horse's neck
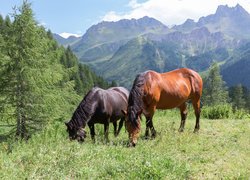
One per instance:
[(79, 119), (86, 114)]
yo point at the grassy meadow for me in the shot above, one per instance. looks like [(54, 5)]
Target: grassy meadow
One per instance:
[(221, 150)]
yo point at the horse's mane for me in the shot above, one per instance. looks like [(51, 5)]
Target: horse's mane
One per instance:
[(135, 101), (84, 110)]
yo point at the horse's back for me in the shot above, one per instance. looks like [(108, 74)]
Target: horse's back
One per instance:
[(115, 100), (111, 95), (171, 89), (117, 96), (193, 78), (108, 103), (121, 90), (183, 79)]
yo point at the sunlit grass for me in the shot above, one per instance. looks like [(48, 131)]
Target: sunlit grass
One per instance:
[(221, 150)]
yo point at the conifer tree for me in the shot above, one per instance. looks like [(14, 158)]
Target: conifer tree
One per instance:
[(237, 97), (215, 91), (247, 98), (33, 76), (39, 81)]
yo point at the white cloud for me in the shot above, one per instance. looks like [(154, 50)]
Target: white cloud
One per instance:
[(42, 24), (112, 16), (133, 4), (66, 35), (172, 12)]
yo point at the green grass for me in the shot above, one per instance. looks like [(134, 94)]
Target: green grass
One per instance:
[(221, 150)]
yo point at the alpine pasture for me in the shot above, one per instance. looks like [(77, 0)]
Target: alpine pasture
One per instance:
[(221, 150)]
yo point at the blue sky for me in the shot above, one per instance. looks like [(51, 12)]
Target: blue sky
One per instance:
[(76, 16), (72, 16)]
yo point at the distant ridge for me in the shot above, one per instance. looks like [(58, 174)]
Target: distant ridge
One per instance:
[(66, 41), (120, 50)]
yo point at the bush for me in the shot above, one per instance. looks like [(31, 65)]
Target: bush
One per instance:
[(217, 112), (240, 114)]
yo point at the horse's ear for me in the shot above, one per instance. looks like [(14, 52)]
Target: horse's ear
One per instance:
[(124, 112)]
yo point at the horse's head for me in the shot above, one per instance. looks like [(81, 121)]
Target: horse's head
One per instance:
[(133, 124), (75, 133)]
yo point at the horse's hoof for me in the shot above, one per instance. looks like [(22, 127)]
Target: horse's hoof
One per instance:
[(131, 144), (181, 130), (196, 130)]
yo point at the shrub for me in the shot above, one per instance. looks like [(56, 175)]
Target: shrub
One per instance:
[(217, 112), (240, 114)]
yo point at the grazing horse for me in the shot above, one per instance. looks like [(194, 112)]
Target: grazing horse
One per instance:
[(152, 90), (98, 106)]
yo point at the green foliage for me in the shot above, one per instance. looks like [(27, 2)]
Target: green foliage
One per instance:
[(214, 91), (217, 112), (33, 76), (225, 111), (237, 97), (240, 114), (247, 98)]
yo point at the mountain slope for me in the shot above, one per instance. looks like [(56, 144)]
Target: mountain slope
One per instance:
[(119, 50), (196, 50), (111, 35), (236, 70), (136, 56)]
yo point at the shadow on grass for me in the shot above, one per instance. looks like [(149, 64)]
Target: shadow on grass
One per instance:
[(4, 138)]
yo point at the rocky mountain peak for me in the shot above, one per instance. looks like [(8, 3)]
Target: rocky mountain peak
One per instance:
[(225, 10)]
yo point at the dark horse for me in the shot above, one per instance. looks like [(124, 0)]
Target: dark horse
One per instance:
[(98, 106), (152, 90)]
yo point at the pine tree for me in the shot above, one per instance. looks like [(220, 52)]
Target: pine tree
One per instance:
[(113, 84), (39, 81), (5, 69), (215, 91), (1, 22), (33, 76), (247, 98), (27, 65), (3, 62), (237, 97)]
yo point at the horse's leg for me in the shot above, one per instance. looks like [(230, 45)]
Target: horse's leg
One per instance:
[(149, 125), (92, 131), (115, 128), (106, 131), (153, 131), (183, 111), (120, 125), (197, 110)]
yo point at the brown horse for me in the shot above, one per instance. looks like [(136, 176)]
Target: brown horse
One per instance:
[(152, 90)]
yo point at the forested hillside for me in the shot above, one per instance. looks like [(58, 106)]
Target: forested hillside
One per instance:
[(40, 81)]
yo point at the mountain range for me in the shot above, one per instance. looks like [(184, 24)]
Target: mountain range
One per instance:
[(120, 50)]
